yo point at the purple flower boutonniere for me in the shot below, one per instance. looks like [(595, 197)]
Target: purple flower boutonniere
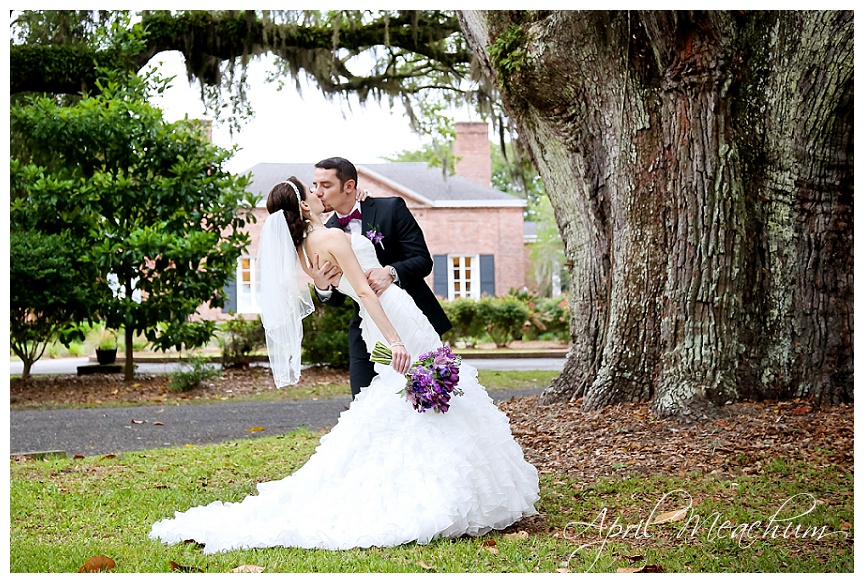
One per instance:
[(375, 236)]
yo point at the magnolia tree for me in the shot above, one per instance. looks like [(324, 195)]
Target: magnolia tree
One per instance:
[(50, 291), (147, 203)]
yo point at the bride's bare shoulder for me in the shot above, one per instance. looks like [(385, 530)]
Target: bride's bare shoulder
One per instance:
[(327, 234), (329, 239)]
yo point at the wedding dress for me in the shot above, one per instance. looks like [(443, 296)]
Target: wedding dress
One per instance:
[(386, 474)]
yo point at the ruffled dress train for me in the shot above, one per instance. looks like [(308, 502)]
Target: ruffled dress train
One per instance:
[(385, 474)]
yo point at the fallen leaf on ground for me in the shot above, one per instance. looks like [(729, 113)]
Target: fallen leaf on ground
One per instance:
[(96, 564), (248, 569), (255, 429), (671, 516), (184, 568), (642, 569), (424, 565), (134, 422)]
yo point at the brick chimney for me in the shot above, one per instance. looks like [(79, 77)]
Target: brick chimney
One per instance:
[(473, 153)]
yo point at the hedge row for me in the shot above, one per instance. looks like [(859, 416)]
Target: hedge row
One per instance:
[(325, 331), (508, 318)]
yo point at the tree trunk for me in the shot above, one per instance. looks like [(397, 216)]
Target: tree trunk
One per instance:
[(128, 362), (29, 353), (700, 167), (128, 337), (25, 372)]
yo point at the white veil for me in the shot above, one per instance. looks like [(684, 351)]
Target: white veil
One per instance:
[(284, 299)]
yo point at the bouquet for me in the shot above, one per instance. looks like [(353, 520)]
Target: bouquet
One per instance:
[(431, 379)]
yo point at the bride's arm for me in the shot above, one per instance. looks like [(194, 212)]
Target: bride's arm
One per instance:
[(336, 248)]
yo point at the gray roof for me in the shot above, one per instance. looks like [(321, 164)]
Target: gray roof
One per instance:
[(266, 175), (416, 179)]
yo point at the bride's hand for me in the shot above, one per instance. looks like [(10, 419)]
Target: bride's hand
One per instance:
[(401, 360), (361, 195)]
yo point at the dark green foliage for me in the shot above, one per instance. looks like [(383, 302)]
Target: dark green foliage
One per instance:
[(462, 313), (239, 339), (503, 319), (325, 335), (50, 290), (148, 204), (549, 319), (199, 369)]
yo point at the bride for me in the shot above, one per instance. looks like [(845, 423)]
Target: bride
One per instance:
[(386, 474)]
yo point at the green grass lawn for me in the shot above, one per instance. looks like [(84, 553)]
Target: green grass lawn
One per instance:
[(63, 511)]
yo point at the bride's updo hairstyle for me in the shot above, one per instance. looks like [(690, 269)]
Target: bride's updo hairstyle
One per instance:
[(284, 198)]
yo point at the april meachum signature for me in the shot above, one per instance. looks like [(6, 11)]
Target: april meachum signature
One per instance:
[(783, 523)]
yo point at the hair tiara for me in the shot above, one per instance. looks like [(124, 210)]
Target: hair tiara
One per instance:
[(296, 191)]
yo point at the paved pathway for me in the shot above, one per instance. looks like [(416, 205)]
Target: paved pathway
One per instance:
[(91, 432), (102, 431)]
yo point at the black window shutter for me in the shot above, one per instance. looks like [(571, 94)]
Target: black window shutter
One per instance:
[(487, 275), (439, 275), (231, 291)]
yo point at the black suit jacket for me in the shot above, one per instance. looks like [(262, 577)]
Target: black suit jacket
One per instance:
[(403, 247)]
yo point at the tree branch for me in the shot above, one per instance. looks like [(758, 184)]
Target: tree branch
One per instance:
[(208, 39)]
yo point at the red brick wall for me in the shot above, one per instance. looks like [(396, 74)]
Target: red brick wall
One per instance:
[(494, 231), (473, 152)]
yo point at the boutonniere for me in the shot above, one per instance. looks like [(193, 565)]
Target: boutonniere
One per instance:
[(375, 236)]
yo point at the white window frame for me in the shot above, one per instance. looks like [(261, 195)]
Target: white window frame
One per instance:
[(458, 280), (247, 293)]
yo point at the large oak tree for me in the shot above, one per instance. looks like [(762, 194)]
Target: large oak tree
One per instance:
[(700, 165)]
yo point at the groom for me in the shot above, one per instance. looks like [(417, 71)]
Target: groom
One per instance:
[(399, 244)]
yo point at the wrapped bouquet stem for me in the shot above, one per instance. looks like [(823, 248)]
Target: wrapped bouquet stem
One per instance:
[(431, 380)]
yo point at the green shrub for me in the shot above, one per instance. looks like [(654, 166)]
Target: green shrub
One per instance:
[(462, 313), (503, 318), (325, 334), (549, 319), (240, 338), (76, 349), (199, 371)]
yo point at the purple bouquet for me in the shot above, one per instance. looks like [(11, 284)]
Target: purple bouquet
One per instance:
[(432, 379)]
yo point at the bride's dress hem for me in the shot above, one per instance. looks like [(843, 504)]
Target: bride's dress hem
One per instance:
[(385, 475)]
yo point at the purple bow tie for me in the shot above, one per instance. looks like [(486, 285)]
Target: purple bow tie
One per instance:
[(347, 219)]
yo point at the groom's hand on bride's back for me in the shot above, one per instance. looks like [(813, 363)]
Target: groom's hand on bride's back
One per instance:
[(379, 279), (324, 274)]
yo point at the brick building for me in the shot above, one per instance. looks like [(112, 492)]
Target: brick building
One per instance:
[(474, 232)]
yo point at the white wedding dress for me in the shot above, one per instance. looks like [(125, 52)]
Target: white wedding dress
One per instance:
[(385, 474)]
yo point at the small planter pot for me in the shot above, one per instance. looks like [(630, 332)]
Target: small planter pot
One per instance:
[(106, 355)]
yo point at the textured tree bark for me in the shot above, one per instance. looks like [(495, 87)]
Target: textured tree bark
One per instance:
[(700, 167)]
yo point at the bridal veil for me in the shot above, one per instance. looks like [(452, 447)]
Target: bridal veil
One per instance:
[(284, 299)]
